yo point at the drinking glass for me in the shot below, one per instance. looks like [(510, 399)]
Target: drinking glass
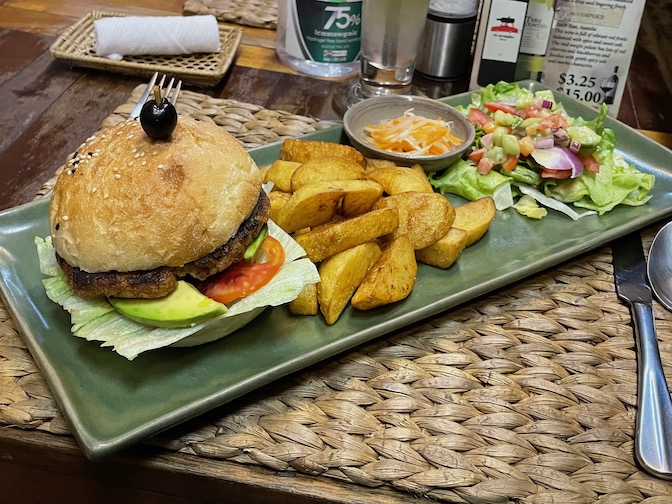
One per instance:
[(391, 34)]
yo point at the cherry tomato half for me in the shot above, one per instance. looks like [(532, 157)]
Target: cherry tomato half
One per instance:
[(244, 278)]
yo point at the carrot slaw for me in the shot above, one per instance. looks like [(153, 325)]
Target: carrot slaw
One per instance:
[(413, 134)]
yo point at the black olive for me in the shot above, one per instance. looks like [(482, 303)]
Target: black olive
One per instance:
[(158, 117)]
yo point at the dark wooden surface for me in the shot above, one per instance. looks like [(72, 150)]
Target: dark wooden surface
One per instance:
[(47, 109)]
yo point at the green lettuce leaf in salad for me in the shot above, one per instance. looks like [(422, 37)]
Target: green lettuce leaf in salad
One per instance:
[(461, 178), (617, 183), (97, 320), (528, 207), (502, 91)]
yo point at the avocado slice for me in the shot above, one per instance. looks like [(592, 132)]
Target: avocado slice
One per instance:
[(183, 307)]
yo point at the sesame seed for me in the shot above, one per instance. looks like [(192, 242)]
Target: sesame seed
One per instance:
[(95, 154), (94, 189), (144, 162), (160, 167), (106, 195), (65, 217), (137, 155), (117, 176)]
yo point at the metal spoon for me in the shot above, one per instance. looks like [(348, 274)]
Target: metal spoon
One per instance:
[(654, 423), (659, 267)]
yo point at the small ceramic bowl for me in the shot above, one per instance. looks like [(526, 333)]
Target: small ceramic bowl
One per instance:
[(381, 108)]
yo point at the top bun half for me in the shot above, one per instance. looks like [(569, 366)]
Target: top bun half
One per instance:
[(126, 202)]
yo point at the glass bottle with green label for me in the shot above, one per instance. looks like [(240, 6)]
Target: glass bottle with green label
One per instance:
[(534, 42), (320, 37)]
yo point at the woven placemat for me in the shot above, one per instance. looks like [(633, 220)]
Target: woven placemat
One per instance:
[(527, 394), (258, 13)]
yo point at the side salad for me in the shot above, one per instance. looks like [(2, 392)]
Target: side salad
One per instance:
[(530, 154)]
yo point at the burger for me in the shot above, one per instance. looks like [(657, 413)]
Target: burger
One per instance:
[(131, 215), (134, 219)]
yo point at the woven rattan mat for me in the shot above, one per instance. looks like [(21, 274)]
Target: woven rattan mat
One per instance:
[(259, 13), (527, 394)]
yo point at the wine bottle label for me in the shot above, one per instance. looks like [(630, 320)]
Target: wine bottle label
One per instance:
[(538, 23), (504, 30), (324, 31)]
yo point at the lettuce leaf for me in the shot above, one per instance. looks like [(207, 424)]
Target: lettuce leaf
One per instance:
[(501, 91), (462, 179), (617, 183), (97, 320), (528, 207)]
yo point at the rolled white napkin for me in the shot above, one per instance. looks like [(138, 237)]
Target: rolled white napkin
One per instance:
[(117, 37)]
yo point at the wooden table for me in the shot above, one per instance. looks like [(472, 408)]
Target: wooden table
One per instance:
[(48, 108)]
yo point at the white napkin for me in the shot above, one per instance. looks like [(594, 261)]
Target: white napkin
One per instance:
[(117, 37)]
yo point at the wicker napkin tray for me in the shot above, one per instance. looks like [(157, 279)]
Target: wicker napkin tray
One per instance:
[(77, 46)]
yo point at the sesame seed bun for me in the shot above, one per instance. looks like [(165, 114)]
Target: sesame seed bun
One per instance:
[(126, 202)]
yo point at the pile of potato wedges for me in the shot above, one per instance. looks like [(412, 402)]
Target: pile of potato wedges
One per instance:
[(366, 224)]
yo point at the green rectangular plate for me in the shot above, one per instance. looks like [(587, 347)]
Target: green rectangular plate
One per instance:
[(112, 403)]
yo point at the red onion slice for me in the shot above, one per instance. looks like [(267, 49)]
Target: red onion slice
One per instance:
[(558, 158)]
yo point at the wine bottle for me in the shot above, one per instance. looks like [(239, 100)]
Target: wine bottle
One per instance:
[(534, 42), (501, 43)]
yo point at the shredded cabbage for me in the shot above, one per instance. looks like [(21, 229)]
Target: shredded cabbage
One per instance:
[(413, 134), (553, 203)]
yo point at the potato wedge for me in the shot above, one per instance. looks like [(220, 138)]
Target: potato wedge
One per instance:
[(444, 252), (340, 275), (475, 218), (391, 278), (372, 164), (306, 302), (312, 205), (359, 196), (330, 239), (326, 168), (300, 151), (280, 173), (424, 217), (398, 179), (278, 200)]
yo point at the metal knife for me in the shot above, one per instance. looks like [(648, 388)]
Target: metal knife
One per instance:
[(653, 431)]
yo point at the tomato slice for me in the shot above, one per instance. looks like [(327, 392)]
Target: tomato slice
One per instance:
[(531, 111), (476, 155), (495, 106), (553, 121), (477, 117), (556, 174), (484, 166), (590, 163), (242, 279)]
